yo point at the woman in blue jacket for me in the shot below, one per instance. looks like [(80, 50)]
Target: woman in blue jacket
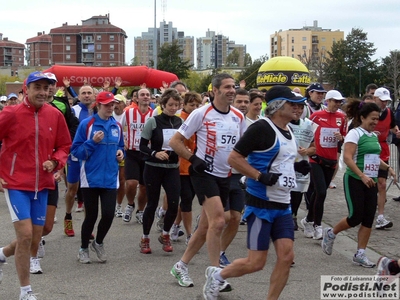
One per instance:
[(98, 144)]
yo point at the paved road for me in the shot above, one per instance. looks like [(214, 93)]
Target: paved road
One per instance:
[(129, 274)]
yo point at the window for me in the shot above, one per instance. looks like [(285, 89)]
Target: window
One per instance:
[(304, 38), (292, 39), (111, 55), (323, 39), (304, 47), (98, 47), (98, 37), (67, 48), (67, 57), (67, 38), (111, 47), (292, 48), (333, 40), (98, 56), (111, 37)]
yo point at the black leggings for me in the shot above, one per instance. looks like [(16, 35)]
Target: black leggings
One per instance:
[(91, 200), (187, 193), (321, 177), (154, 178), (361, 201)]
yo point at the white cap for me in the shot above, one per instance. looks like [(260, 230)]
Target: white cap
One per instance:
[(334, 94), (382, 94), (3, 98)]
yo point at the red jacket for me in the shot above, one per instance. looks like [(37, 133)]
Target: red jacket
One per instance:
[(30, 137)]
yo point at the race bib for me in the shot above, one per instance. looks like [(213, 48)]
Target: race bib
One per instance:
[(327, 137), (288, 178), (136, 140), (167, 135), (371, 165), (227, 135)]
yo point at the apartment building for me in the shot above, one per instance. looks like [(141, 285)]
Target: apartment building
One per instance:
[(11, 53)]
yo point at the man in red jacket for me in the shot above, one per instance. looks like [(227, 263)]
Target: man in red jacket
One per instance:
[(36, 143)]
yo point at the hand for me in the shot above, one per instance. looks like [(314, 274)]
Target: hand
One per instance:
[(392, 174), (118, 82), (162, 155), (58, 176), (243, 182), (98, 136), (49, 165), (302, 167), (242, 84), (369, 182), (66, 82), (338, 136), (302, 151), (120, 155), (2, 183), (124, 92), (269, 178), (143, 86), (198, 165)]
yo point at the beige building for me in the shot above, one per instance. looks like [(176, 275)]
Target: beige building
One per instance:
[(309, 43)]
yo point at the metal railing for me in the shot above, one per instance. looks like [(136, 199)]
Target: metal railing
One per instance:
[(394, 163)]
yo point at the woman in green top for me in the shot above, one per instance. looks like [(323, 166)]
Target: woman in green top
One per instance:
[(361, 155)]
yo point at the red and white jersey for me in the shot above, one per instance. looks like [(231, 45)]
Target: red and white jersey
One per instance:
[(216, 135), (325, 141), (134, 123)]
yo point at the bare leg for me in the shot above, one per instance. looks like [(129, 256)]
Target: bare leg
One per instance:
[(363, 237), (381, 195), (142, 197), (70, 196), (231, 229), (131, 188)]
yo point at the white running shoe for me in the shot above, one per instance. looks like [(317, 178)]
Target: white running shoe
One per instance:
[(1, 269), (317, 232), (100, 252), (382, 223), (35, 266), (307, 227), (139, 216), (212, 286), (327, 241), (28, 296), (118, 211), (182, 275), (83, 256), (128, 213), (160, 219), (363, 261), (174, 233)]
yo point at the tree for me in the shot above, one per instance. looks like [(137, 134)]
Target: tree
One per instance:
[(233, 58), (315, 63), (135, 61), (250, 73), (247, 60), (349, 61), (169, 59), (391, 70)]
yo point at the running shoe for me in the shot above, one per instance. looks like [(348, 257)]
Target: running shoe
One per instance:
[(68, 228), (139, 216), (382, 223), (41, 252), (223, 261), (145, 246), (197, 223), (175, 232), (79, 207), (28, 296), (100, 252), (317, 233), (308, 228), (182, 274), (164, 239), (383, 266), (363, 261), (118, 211), (35, 266), (160, 219), (83, 256), (212, 286), (327, 241), (128, 213), (332, 185)]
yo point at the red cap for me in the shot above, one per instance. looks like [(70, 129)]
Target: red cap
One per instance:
[(105, 98)]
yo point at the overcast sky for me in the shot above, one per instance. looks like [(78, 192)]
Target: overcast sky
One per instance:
[(248, 22)]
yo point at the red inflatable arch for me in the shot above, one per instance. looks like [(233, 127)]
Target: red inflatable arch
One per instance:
[(96, 76)]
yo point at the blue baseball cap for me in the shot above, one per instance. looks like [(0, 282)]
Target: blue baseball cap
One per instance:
[(35, 76), (281, 92), (12, 95)]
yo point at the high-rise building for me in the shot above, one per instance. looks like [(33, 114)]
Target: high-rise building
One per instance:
[(307, 43), (38, 50), (166, 33), (213, 50), (11, 53), (94, 43)]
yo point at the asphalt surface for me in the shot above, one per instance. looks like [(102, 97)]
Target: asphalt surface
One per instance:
[(128, 274)]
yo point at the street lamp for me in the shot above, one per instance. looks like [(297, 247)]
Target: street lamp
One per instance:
[(360, 64)]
